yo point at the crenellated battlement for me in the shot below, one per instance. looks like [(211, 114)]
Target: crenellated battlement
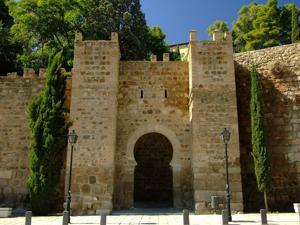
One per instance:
[(113, 104), (28, 73), (219, 38)]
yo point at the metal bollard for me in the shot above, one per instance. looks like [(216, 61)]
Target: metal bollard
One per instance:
[(263, 216), (215, 202), (186, 217), (103, 219), (224, 217), (28, 216), (65, 218)]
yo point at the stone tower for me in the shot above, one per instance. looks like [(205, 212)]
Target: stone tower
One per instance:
[(139, 121), (94, 116), (150, 130), (212, 108)]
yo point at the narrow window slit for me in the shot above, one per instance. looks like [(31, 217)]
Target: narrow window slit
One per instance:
[(166, 94), (142, 94)]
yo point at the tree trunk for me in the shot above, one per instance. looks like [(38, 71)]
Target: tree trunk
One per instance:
[(266, 201)]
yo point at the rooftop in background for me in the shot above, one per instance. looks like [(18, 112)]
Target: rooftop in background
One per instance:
[(179, 44)]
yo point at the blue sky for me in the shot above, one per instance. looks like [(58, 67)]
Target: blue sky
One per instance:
[(178, 17)]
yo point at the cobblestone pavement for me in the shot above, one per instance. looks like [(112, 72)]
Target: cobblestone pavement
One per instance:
[(127, 219)]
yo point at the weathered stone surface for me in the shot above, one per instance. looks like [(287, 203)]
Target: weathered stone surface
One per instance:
[(113, 104), (92, 179), (94, 114), (163, 109), (29, 73), (15, 96), (85, 189), (212, 108), (6, 174), (279, 68)]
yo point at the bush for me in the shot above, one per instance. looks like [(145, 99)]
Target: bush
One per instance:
[(49, 138)]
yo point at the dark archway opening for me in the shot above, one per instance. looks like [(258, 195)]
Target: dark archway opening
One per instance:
[(153, 179)]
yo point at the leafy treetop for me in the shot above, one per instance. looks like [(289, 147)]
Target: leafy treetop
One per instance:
[(218, 25)]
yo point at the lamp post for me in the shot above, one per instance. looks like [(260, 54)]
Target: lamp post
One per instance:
[(72, 137), (226, 137)]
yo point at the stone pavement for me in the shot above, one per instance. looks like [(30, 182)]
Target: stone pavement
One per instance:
[(167, 219)]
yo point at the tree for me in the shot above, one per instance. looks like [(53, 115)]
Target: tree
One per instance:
[(262, 164), (44, 27), (285, 24), (133, 30), (218, 25), (156, 42), (243, 25), (5, 18), (260, 26), (295, 24), (101, 17), (266, 28), (49, 131), (8, 48), (175, 56)]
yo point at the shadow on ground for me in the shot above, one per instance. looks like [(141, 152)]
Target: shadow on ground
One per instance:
[(148, 211)]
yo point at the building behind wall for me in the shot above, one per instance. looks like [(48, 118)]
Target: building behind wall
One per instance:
[(149, 131)]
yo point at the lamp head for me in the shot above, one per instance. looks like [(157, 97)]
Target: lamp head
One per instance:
[(72, 136), (225, 135)]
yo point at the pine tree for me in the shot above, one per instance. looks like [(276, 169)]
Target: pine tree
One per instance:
[(156, 42), (49, 130), (295, 25), (243, 25), (101, 17), (133, 30), (219, 25), (262, 165), (266, 31)]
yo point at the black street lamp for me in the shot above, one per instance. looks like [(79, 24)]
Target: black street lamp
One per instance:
[(226, 137), (72, 137)]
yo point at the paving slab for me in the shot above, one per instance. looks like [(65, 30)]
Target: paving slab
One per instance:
[(161, 219)]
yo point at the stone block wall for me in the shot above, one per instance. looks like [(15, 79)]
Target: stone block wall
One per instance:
[(15, 95), (212, 108), (114, 104), (279, 68), (153, 97), (94, 116)]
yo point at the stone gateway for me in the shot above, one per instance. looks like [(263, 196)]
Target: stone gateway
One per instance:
[(149, 131)]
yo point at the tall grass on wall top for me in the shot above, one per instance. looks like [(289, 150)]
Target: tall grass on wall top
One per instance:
[(49, 138), (262, 164)]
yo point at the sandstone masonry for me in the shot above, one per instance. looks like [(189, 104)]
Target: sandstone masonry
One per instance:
[(212, 108), (279, 68), (117, 107), (15, 94)]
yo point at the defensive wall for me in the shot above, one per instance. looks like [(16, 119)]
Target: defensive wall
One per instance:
[(114, 104), (279, 69)]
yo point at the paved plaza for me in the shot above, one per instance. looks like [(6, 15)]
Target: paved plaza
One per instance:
[(161, 219)]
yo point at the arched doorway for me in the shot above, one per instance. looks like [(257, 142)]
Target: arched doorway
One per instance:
[(153, 179)]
